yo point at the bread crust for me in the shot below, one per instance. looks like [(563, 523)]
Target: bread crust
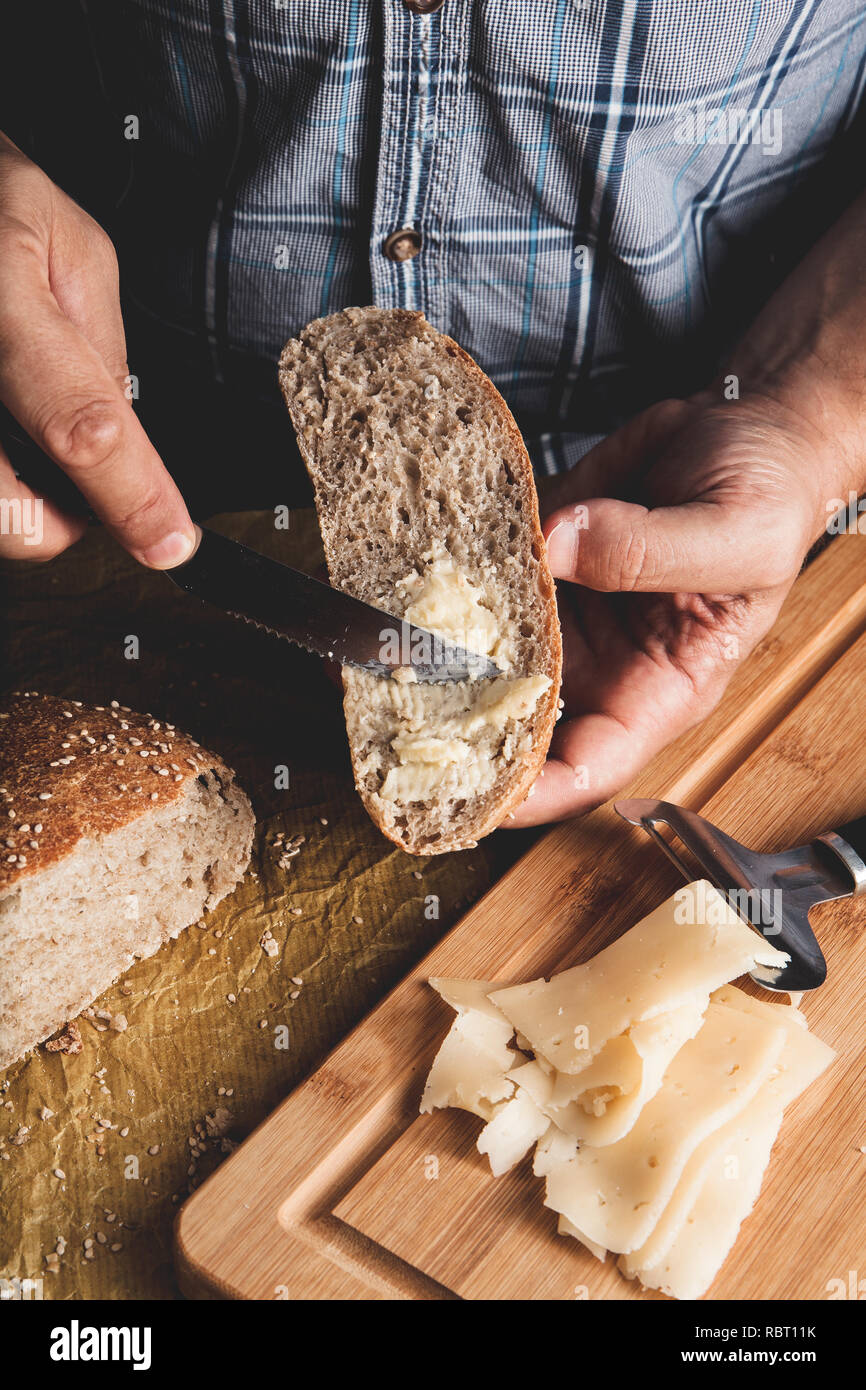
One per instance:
[(295, 358), (119, 832), (77, 771)]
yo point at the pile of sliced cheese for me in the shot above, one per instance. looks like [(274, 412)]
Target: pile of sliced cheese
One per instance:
[(651, 1087)]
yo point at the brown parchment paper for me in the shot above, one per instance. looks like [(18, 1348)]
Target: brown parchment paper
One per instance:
[(140, 1117)]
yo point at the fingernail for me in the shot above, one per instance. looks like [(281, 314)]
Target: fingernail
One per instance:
[(172, 550), (562, 549)]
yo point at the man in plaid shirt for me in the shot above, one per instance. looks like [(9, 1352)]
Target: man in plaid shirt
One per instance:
[(641, 217)]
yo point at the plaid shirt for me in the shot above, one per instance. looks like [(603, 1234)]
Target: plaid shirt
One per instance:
[(602, 186)]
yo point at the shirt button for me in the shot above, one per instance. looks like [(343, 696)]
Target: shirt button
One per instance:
[(402, 245), (423, 6)]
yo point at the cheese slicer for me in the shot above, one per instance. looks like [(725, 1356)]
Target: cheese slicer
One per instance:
[(774, 892)]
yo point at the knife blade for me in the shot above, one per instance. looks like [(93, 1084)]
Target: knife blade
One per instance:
[(313, 615)]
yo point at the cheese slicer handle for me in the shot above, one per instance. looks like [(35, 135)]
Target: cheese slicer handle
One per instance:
[(848, 843)]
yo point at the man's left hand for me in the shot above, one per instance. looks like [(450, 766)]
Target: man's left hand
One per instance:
[(674, 542)]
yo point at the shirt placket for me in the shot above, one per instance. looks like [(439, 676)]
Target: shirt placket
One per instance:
[(424, 57)]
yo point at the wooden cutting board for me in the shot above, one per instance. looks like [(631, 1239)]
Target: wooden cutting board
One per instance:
[(346, 1192)]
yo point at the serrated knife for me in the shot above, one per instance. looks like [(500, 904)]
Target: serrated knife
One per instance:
[(311, 614)]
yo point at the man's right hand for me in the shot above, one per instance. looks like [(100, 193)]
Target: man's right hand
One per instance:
[(63, 375)]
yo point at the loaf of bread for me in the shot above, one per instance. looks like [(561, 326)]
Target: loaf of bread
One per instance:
[(428, 510), (117, 832)]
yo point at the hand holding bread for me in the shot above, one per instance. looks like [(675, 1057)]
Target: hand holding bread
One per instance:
[(676, 541)]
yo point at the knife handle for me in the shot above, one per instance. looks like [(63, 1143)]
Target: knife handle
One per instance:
[(848, 843)]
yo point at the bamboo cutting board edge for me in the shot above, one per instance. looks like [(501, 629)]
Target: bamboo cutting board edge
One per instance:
[(278, 1245)]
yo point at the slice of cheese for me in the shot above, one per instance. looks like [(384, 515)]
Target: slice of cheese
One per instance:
[(567, 1228), (689, 946), (470, 1069), (719, 1152), (464, 995), (694, 1237), (536, 1080), (801, 1061), (761, 1008), (525, 1046), (616, 1194), (804, 1057), (553, 1148), (509, 1136), (617, 1070), (601, 1103), (729, 1192)]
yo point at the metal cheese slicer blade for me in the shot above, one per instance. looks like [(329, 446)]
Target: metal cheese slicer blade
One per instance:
[(774, 892)]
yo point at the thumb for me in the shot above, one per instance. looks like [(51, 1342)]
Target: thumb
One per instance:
[(699, 547)]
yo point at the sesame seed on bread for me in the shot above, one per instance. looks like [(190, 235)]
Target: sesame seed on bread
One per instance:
[(79, 771)]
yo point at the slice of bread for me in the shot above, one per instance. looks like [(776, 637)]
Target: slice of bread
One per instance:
[(427, 506), (118, 832)]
